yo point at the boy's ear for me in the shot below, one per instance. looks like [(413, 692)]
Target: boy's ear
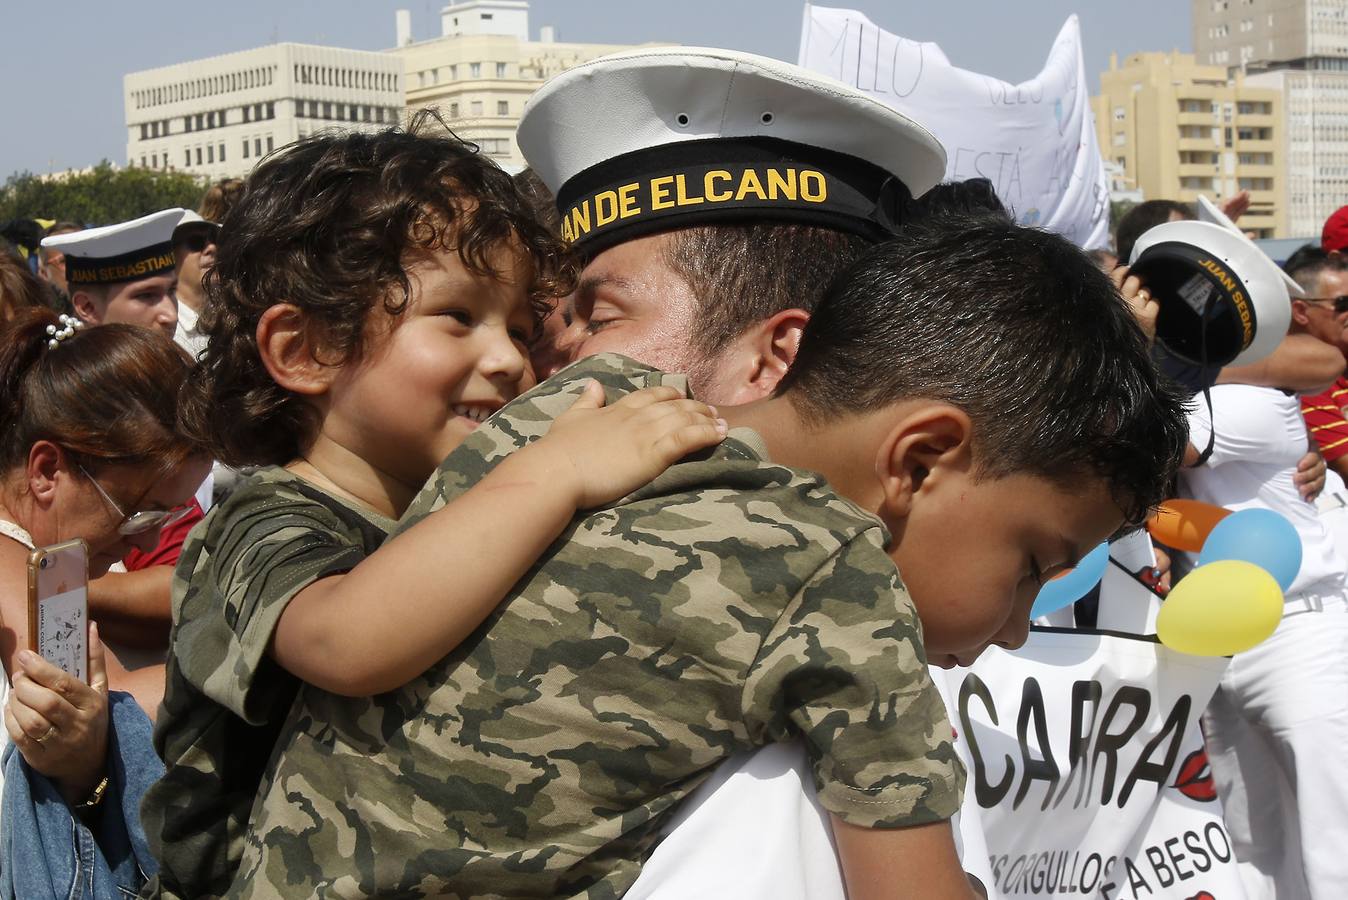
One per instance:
[(919, 451), (283, 343), (756, 361)]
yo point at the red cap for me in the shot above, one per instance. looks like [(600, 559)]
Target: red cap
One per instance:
[(1335, 234)]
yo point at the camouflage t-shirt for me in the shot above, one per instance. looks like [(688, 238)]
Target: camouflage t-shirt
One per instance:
[(225, 699), (728, 604)]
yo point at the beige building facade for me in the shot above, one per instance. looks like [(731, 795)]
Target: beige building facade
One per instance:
[(1178, 129), (483, 68), (1254, 33), (1298, 47), (217, 117)]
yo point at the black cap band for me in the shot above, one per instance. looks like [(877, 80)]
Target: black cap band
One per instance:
[(727, 179), (1206, 314), (146, 262)]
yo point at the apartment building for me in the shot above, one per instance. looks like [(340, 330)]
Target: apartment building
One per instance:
[(483, 67), (217, 117), (1298, 47), (1178, 129)]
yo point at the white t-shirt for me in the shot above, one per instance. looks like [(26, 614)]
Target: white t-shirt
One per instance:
[(1260, 438)]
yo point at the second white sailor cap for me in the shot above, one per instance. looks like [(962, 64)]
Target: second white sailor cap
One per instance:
[(127, 251), (649, 140)]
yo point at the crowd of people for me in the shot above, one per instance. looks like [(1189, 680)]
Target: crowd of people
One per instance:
[(454, 534)]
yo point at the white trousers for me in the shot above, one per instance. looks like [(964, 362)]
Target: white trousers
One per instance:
[(1277, 736)]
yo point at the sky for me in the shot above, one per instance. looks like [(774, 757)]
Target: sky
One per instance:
[(62, 61)]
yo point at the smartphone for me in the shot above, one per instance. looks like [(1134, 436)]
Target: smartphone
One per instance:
[(58, 606)]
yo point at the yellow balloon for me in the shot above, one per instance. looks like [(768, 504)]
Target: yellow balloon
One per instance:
[(1219, 609)]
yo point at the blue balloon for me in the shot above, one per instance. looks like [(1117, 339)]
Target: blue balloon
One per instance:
[(1073, 586), (1258, 536)]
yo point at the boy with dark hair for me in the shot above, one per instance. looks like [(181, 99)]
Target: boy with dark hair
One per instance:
[(981, 427)]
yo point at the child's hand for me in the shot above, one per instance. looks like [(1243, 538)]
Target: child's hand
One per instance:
[(615, 450)]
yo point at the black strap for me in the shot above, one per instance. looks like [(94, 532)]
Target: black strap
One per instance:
[(1207, 395)]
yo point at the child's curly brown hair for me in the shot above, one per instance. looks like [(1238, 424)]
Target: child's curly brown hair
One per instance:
[(327, 224)]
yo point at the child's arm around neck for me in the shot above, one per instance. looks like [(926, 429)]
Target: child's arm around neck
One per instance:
[(409, 604)]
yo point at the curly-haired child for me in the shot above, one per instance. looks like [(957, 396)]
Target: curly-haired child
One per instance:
[(372, 302)]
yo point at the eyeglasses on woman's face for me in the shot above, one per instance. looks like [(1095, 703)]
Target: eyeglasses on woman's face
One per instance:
[(137, 522)]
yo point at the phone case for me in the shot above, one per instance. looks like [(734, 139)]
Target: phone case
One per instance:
[(58, 606)]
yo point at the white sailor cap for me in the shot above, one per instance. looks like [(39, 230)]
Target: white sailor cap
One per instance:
[(191, 222), (649, 140), (1224, 301), (141, 248)]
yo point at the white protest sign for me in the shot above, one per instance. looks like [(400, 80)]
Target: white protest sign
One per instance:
[(1088, 770), (1034, 141)]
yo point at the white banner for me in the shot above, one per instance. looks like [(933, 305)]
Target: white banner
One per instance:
[(1087, 769), (1034, 141)]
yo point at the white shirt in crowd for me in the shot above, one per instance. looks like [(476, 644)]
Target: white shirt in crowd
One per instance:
[(1260, 438)]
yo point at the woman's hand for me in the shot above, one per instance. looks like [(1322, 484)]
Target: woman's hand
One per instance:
[(60, 724)]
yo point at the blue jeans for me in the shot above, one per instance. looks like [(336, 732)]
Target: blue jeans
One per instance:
[(47, 852)]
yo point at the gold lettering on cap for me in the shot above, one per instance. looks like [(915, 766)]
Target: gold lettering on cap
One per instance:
[(605, 208), (813, 186), (709, 186), (627, 200), (660, 191), (749, 183), (681, 182), (779, 186)]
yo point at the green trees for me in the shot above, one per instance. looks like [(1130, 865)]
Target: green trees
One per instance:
[(100, 196)]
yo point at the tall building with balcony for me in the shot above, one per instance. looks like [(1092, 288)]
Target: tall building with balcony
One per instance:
[(483, 67), (217, 117), (1178, 129), (1299, 47)]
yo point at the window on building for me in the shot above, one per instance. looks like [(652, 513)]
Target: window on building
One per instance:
[(453, 72), (257, 146), (271, 109), (245, 148), (269, 143), (198, 156), (313, 109), (475, 70), (500, 70), (453, 110), (299, 110), (210, 153), (200, 120), (379, 114), (144, 131), (475, 108), (142, 163), (187, 156), (327, 109), (365, 113)]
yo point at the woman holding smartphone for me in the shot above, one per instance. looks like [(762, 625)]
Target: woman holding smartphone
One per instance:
[(89, 449)]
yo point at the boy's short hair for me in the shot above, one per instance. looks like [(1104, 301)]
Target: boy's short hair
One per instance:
[(1018, 328), (327, 224)]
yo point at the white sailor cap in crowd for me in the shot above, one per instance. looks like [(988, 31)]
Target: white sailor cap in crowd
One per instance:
[(1222, 300), (192, 221), (648, 140), (141, 248)]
